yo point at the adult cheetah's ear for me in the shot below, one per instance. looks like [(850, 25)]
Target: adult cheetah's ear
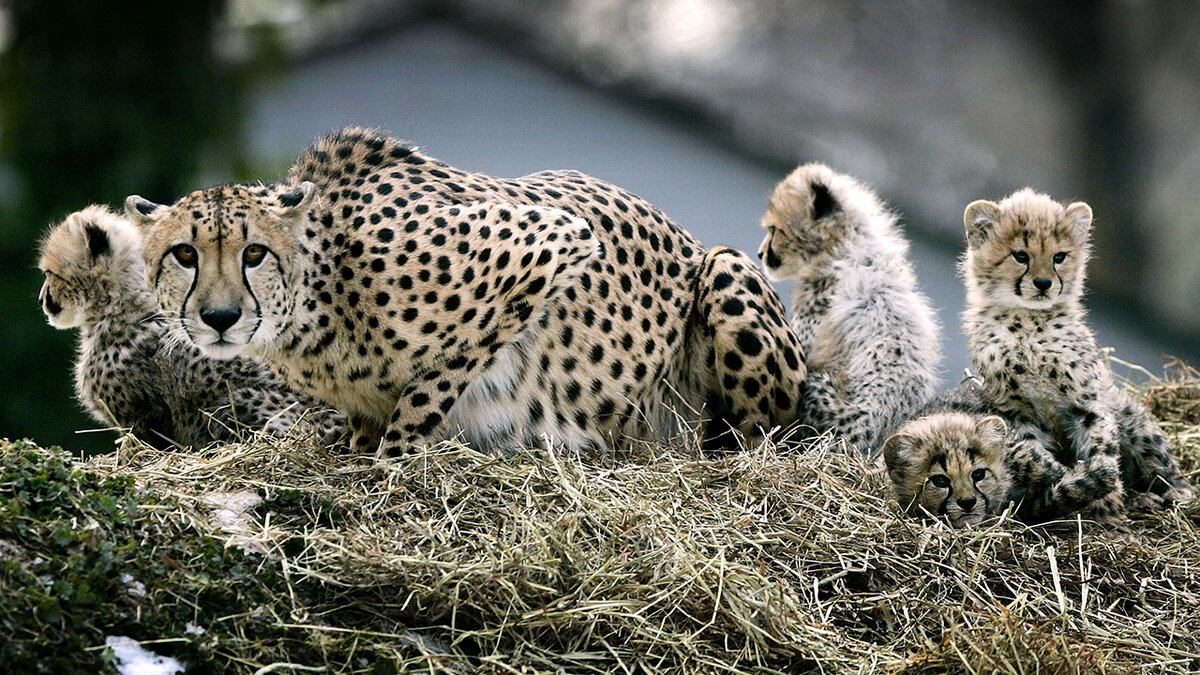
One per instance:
[(1079, 214), (296, 200), (992, 429), (141, 211), (980, 218)]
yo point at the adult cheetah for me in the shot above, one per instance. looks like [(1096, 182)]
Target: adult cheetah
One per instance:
[(427, 302)]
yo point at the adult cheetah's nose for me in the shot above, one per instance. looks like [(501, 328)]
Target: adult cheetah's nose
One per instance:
[(966, 503), (1042, 283), (221, 319)]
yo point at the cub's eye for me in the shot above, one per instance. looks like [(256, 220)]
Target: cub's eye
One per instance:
[(1059, 257), (254, 254), (1021, 257), (939, 481), (185, 254), (978, 474)]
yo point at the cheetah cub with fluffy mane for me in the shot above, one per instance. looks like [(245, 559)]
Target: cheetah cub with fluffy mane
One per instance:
[(1036, 357), (871, 336), (958, 461), (126, 370)]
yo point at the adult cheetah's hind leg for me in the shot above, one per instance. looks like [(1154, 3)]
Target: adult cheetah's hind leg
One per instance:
[(754, 362)]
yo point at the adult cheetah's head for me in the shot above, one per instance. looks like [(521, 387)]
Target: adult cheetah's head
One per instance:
[(1027, 251), (222, 262), (86, 259), (811, 212), (949, 465)]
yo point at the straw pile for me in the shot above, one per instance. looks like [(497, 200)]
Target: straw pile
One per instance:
[(283, 557)]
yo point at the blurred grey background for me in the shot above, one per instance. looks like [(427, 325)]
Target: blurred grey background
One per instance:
[(698, 105)]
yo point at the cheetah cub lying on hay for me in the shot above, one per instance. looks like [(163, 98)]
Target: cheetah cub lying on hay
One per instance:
[(1037, 359), (871, 337), (127, 372), (958, 461), (429, 302)]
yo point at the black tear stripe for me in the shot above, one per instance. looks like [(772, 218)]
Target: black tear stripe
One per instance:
[(945, 502), (257, 306), (186, 298), (1017, 286)]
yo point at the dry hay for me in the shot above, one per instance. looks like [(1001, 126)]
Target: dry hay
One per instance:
[(662, 561)]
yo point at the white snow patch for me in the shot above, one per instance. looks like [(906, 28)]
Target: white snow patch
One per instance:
[(134, 587), (231, 507), (131, 659), (233, 511)]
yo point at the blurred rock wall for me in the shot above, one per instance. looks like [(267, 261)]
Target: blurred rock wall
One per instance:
[(935, 103)]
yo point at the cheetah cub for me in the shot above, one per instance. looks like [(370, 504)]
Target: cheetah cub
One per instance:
[(959, 462), (872, 338), (1037, 358), (126, 371), (431, 302)]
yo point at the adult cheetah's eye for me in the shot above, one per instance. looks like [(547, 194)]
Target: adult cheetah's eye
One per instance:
[(978, 475), (939, 481), (185, 254), (254, 254), (1059, 257), (1021, 257)]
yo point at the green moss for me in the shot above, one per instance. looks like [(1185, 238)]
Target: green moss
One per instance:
[(84, 559)]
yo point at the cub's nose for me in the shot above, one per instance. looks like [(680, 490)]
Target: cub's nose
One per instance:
[(966, 503), (221, 319), (1042, 283), (52, 307)]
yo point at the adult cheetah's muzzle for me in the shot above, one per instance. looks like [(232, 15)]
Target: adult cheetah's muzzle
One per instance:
[(221, 320)]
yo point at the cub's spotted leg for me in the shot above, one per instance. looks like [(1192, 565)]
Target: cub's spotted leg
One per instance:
[(810, 303), (541, 263), (1097, 443), (1149, 470), (826, 404), (754, 361), (1044, 489)]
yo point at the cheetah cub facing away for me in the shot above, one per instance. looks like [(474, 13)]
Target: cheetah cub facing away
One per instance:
[(871, 337), (429, 302), (959, 462), (1037, 359), (127, 372)]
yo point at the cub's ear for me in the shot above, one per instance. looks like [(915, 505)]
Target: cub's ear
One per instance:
[(97, 240), (824, 203), (992, 429), (1079, 215), (142, 211), (981, 217), (294, 201), (898, 456)]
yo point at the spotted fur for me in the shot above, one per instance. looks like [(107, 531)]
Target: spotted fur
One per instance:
[(428, 301), (1038, 360), (871, 336), (960, 460), (128, 372)]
